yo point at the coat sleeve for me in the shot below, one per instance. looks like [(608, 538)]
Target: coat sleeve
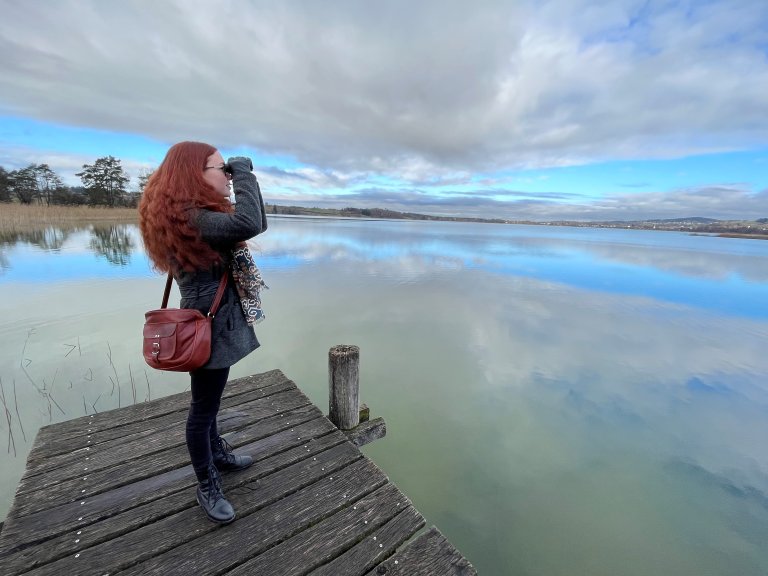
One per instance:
[(223, 230)]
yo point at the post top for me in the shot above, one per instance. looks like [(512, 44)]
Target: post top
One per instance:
[(340, 349)]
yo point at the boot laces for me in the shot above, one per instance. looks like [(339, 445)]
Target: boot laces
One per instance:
[(225, 450), (214, 493)]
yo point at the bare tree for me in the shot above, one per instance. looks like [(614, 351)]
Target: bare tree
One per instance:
[(48, 183), (144, 177)]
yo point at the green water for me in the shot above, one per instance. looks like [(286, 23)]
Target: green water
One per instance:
[(558, 401)]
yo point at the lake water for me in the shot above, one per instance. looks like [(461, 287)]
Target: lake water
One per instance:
[(559, 401)]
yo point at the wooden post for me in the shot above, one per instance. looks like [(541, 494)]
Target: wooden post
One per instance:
[(344, 386)]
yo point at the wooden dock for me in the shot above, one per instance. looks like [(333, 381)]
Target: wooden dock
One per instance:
[(113, 493)]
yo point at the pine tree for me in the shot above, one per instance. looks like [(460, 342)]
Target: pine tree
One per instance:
[(104, 181)]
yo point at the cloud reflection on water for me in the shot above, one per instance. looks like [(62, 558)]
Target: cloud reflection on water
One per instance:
[(548, 392), (658, 264), (596, 421), (666, 266), (554, 417)]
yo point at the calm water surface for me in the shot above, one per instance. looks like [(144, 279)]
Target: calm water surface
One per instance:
[(559, 401)]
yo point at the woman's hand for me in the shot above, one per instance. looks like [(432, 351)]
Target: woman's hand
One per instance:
[(240, 164)]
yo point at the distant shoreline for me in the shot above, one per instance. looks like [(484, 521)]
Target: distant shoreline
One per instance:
[(723, 228), (14, 217), (747, 236)]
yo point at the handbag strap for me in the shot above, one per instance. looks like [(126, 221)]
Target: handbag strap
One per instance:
[(167, 292), (216, 300), (219, 295)]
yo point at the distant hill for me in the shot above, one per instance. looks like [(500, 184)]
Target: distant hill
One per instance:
[(379, 213), (689, 220), (694, 219)]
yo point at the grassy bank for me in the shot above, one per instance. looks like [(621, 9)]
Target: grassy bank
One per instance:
[(19, 217)]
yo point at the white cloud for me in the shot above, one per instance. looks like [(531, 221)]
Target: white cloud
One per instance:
[(394, 104), (401, 88), (725, 202)]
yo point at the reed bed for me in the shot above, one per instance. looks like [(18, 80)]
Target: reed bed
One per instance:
[(21, 217)]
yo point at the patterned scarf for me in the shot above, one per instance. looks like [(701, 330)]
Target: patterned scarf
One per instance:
[(248, 283)]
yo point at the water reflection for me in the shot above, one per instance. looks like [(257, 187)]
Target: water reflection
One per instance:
[(495, 246), (672, 267), (49, 239), (664, 265), (557, 401), (114, 243), (712, 264), (111, 243)]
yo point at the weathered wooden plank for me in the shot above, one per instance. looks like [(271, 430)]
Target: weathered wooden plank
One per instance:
[(156, 455), (86, 488), (41, 525), (328, 539), (310, 503), (107, 454), (145, 410), (430, 554), (36, 528), (42, 458), (285, 431), (167, 504), (115, 477), (46, 456), (235, 543), (99, 432), (375, 547), (270, 405), (366, 432)]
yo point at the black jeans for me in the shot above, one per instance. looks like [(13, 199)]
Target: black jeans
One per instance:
[(207, 388)]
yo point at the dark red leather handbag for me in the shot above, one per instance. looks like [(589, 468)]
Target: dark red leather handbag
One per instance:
[(179, 339)]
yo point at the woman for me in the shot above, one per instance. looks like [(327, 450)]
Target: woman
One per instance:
[(190, 227)]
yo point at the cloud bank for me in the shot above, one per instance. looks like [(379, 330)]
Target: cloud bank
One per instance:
[(410, 91)]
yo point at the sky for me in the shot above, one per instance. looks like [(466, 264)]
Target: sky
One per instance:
[(524, 110)]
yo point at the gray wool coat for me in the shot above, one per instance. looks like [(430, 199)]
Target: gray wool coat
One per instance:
[(231, 336)]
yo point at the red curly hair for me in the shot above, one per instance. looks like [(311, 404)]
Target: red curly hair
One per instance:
[(166, 212)]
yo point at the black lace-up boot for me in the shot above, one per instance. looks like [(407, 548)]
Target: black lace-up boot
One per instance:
[(224, 459), (212, 500)]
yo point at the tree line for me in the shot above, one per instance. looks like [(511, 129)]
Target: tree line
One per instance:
[(104, 183)]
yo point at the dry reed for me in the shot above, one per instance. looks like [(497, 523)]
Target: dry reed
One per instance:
[(21, 217)]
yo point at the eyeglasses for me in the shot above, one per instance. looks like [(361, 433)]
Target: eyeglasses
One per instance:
[(224, 168)]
